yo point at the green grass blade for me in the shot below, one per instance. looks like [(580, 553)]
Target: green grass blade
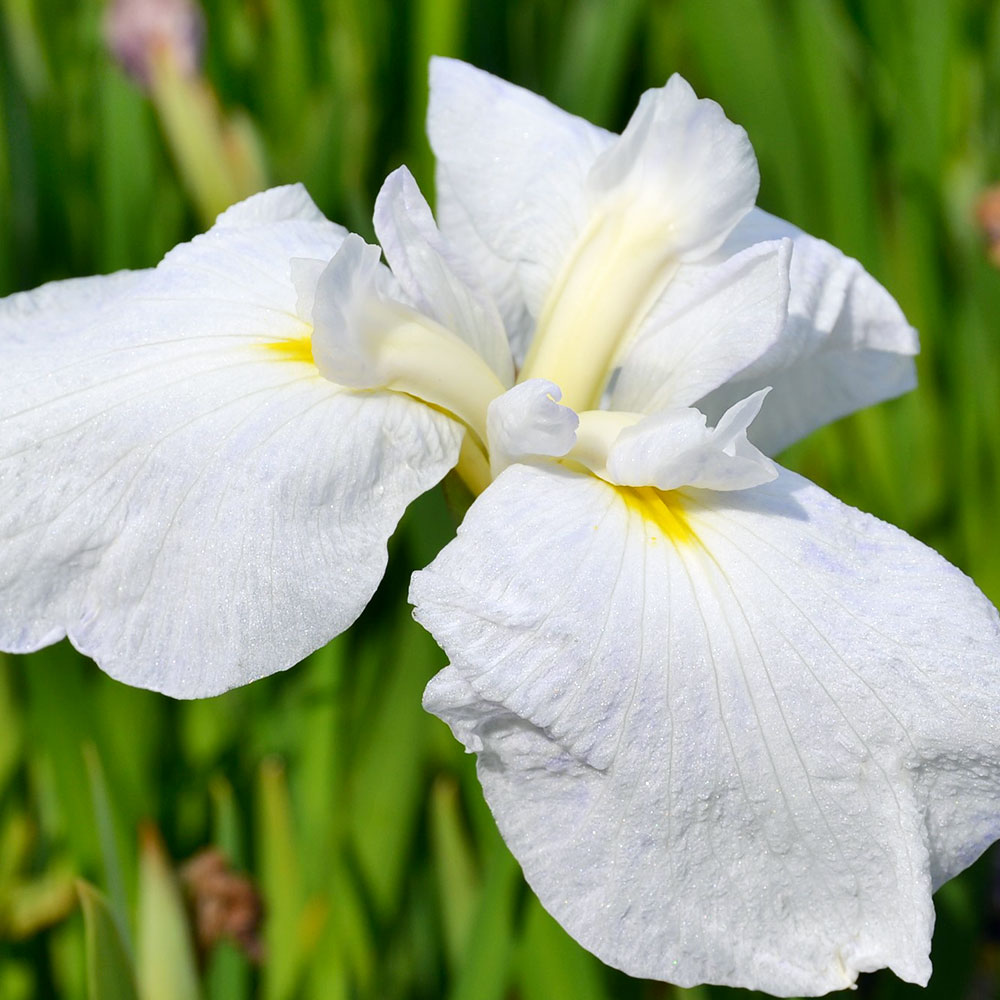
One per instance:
[(59, 711), (386, 786), (828, 52), (109, 969), (733, 42), (27, 49), (280, 879), (166, 965), (11, 727), (486, 970), (322, 769), (437, 29), (595, 55), (228, 975), (114, 880), (455, 866), (344, 963), (227, 823), (126, 172), (551, 965)]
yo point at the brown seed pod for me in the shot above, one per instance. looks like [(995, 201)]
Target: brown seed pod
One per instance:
[(225, 903)]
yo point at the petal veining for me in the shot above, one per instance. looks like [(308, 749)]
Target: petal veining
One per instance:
[(181, 492), (744, 761)]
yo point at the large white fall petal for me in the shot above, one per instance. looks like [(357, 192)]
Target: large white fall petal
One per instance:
[(733, 738), (181, 491)]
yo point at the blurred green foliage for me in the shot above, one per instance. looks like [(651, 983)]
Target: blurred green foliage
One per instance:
[(877, 124)]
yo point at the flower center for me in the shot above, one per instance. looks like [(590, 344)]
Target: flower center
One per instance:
[(661, 510), (293, 349)]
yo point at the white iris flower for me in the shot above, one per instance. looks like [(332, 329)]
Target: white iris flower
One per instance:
[(734, 731)]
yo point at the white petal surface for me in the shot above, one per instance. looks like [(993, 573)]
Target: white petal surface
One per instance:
[(59, 307), (846, 344), (528, 421), (510, 183), (435, 280), (736, 742), (347, 314), (181, 492), (675, 448), (682, 167), (279, 204), (706, 329)]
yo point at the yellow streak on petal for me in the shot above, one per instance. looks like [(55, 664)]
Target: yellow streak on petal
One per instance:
[(663, 512), (292, 349)]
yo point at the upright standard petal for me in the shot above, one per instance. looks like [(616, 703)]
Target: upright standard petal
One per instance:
[(706, 330), (845, 346), (664, 193), (594, 226), (548, 206), (681, 165), (511, 169), (733, 738), (181, 492)]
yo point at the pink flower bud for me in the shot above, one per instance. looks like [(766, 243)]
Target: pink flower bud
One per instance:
[(137, 31)]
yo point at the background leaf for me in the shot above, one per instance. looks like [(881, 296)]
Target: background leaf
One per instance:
[(109, 970)]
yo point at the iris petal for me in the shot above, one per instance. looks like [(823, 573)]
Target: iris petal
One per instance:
[(181, 492), (740, 754)]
